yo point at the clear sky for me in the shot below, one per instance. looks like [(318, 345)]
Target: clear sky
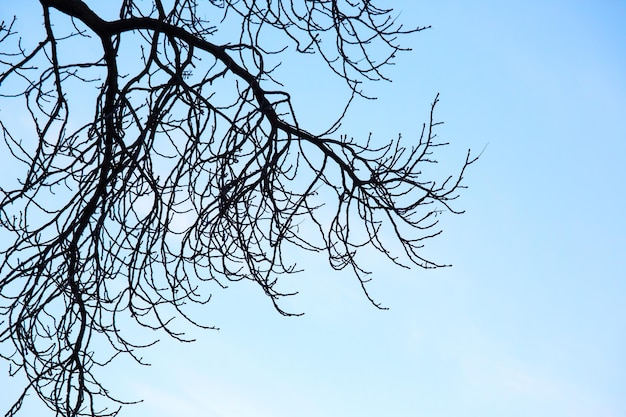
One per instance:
[(530, 320)]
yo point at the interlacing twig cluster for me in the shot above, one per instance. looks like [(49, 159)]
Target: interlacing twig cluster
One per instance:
[(160, 161)]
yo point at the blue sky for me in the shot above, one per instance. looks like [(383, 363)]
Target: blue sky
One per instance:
[(530, 320)]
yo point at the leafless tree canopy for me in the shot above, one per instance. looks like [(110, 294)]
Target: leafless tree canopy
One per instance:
[(160, 158)]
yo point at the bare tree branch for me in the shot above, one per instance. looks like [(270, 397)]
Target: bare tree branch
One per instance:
[(189, 169)]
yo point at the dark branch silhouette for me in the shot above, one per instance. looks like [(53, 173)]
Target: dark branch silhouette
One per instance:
[(160, 160)]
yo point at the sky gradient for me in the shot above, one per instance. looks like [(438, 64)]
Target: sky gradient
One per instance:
[(531, 318)]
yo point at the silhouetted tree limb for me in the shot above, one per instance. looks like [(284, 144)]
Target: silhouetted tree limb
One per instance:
[(188, 167)]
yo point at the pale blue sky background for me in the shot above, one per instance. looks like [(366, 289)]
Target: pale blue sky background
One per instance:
[(530, 321)]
